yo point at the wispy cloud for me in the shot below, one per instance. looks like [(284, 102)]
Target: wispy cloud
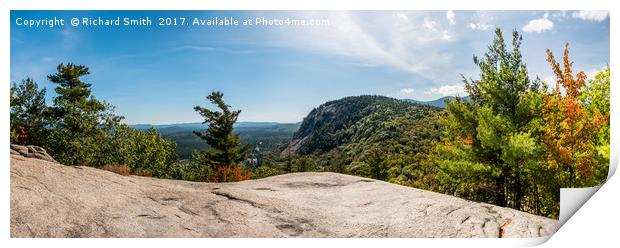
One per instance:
[(591, 15), (451, 17), (539, 25), (480, 26), (407, 91), (401, 40)]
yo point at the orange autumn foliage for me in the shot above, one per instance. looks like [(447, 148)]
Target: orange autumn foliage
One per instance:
[(24, 135), (230, 173), (568, 125)]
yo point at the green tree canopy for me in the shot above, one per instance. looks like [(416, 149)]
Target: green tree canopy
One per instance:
[(28, 112), (77, 118), (226, 148), (490, 143)]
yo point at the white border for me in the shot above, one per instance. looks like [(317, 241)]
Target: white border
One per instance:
[(597, 220)]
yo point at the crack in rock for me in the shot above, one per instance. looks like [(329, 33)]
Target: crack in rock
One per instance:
[(251, 203), (187, 210), (151, 216), (267, 189), (452, 210), (465, 219), (312, 185)]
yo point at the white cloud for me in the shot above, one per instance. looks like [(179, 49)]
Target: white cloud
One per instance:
[(444, 34), (480, 26), (539, 25), (403, 17), (405, 41), (407, 91), (432, 25), (448, 90), (591, 73), (591, 15), (450, 16)]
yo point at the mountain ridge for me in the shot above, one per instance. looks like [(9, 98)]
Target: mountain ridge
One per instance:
[(200, 125), (354, 119), (441, 102)]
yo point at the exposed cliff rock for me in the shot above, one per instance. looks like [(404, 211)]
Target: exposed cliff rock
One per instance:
[(52, 200)]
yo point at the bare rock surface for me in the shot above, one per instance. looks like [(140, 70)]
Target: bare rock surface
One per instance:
[(53, 200), (31, 152)]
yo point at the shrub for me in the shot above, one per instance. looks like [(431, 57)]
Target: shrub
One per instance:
[(265, 171), (145, 152), (230, 173)]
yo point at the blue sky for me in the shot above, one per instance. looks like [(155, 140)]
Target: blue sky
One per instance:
[(279, 73)]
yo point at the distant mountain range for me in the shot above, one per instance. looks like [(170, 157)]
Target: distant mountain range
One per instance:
[(441, 102), (198, 125), (266, 135)]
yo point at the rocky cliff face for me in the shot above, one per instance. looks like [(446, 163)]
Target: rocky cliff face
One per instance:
[(52, 200), (351, 119)]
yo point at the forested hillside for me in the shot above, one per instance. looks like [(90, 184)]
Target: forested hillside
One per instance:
[(374, 136)]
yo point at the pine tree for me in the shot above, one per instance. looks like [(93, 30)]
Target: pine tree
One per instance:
[(226, 148), (77, 118), (489, 149), (74, 95)]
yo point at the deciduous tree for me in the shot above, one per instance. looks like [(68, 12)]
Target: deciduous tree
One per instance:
[(570, 127)]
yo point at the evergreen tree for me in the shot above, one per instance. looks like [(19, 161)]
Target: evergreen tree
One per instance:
[(377, 162), (490, 149), (77, 118), (28, 113), (226, 148)]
